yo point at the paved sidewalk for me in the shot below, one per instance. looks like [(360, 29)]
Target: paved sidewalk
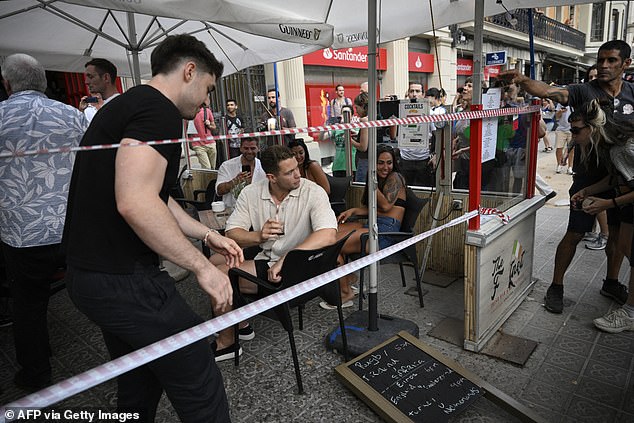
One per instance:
[(576, 374)]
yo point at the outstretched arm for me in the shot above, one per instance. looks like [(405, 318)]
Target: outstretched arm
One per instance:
[(536, 88)]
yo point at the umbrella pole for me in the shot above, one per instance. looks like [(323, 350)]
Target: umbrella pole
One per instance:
[(368, 333), (136, 68)]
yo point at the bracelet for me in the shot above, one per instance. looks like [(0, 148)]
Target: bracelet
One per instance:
[(616, 206), (207, 235)]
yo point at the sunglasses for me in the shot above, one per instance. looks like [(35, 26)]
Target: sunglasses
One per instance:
[(577, 129)]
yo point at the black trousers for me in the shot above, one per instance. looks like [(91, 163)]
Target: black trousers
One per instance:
[(135, 310), (30, 272)]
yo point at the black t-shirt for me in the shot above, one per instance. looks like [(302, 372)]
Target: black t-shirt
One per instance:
[(623, 103), (96, 237)]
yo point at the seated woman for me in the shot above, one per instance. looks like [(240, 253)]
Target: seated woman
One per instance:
[(390, 199), (308, 169)]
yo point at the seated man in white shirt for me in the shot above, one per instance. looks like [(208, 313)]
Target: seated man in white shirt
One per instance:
[(262, 213), (233, 174)]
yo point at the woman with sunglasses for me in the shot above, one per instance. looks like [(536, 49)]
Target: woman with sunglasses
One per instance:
[(613, 141), (390, 200), (308, 169)]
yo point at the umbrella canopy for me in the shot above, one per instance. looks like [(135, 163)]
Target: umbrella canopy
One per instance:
[(64, 34)]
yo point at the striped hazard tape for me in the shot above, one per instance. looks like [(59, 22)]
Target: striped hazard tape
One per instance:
[(86, 380), (448, 117)]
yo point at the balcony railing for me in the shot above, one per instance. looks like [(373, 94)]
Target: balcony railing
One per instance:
[(543, 27)]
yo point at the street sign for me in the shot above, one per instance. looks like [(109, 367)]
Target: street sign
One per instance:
[(495, 58)]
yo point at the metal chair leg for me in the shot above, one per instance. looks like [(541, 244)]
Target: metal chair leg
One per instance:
[(298, 375), (400, 265)]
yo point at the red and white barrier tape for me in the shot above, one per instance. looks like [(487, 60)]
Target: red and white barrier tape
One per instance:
[(448, 117), (86, 380), (493, 211)]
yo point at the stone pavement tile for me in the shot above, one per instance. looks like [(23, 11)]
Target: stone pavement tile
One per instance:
[(544, 337), (565, 360), (555, 376), (572, 345), (606, 373), (587, 312), (613, 357), (580, 328), (546, 395), (546, 413), (583, 410), (628, 400), (596, 390), (547, 320), (619, 341)]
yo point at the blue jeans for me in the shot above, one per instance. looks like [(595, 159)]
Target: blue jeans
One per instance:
[(386, 224)]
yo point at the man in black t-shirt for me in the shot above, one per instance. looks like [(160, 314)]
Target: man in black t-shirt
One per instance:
[(235, 126), (120, 218), (613, 58)]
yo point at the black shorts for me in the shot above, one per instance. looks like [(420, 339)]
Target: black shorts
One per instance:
[(581, 222)]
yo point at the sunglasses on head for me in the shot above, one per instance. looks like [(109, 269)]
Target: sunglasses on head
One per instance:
[(577, 129)]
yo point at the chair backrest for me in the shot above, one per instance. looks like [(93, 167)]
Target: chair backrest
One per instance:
[(300, 265), (210, 192), (338, 189), (413, 206)]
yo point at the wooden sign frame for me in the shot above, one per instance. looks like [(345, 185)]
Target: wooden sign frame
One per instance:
[(390, 413)]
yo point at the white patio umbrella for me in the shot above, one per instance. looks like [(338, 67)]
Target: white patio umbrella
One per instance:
[(241, 33), (64, 36)]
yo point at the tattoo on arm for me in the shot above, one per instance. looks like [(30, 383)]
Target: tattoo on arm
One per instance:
[(391, 189)]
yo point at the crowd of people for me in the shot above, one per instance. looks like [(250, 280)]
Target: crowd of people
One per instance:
[(107, 215)]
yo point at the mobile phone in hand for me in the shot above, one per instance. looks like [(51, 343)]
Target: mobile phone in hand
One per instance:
[(246, 168), (91, 100)]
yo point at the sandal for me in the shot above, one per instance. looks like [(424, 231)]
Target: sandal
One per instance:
[(327, 306)]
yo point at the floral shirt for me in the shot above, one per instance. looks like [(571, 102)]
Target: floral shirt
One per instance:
[(34, 189)]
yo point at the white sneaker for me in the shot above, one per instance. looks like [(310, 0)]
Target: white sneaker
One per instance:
[(570, 172), (615, 321), (599, 243), (560, 169), (590, 236)]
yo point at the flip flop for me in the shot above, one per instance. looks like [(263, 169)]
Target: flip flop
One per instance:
[(327, 306)]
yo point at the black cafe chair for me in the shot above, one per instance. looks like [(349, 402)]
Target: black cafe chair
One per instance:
[(338, 190), (299, 265), (413, 207)]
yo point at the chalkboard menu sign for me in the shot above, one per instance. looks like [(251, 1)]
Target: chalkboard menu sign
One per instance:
[(403, 382)]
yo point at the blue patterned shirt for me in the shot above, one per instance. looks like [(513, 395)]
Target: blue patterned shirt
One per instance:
[(34, 189)]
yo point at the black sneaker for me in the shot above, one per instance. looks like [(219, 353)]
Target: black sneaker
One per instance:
[(554, 300), (246, 333), (616, 291), (225, 353)]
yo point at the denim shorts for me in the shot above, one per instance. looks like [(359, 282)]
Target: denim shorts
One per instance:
[(386, 224)]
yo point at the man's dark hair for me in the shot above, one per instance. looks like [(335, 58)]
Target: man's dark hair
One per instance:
[(272, 156), (229, 100), (247, 139), (272, 89), (339, 85), (433, 92), (624, 49), (104, 66), (175, 49)]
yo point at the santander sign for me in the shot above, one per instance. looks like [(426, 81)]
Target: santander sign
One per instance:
[(356, 57)]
